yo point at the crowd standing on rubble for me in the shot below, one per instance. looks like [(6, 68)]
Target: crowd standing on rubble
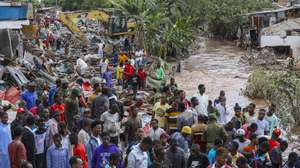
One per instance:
[(61, 127)]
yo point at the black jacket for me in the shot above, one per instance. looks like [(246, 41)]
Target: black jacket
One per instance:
[(29, 142)]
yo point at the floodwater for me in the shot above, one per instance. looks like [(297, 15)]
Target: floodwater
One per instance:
[(218, 67)]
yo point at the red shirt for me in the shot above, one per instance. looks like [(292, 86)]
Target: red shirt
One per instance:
[(79, 150), (17, 153), (129, 71), (34, 110), (142, 75), (60, 107), (273, 144)]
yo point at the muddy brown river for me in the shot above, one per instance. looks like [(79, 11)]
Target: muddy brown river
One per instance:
[(217, 66)]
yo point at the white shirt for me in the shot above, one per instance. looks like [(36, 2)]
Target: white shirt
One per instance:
[(223, 113), (155, 134), (83, 137), (137, 158), (262, 126), (203, 103), (82, 64), (242, 145), (110, 123)]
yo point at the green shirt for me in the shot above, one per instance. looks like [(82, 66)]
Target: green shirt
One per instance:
[(160, 73)]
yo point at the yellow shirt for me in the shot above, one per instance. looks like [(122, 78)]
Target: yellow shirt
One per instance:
[(159, 113), (120, 71), (123, 58)]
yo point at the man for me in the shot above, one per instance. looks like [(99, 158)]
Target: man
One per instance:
[(159, 110), (182, 137), (222, 155), (110, 122), (5, 140), (251, 116), (29, 141), (102, 153), (272, 119), (183, 99), (64, 134), (78, 149), (221, 107), (56, 155), (84, 133), (172, 115), (91, 98), (292, 161), (100, 104), (274, 141), (40, 143), (52, 130), (173, 86), (59, 106), (131, 126), (214, 131), (138, 157), (16, 149), (263, 125), (213, 151), (94, 140), (72, 107), (276, 154), (30, 96), (241, 140), (203, 101), (53, 91), (176, 155), (234, 153), (194, 104), (155, 132), (159, 157), (197, 159), (76, 162), (238, 119), (18, 121), (198, 130), (107, 75), (186, 117)]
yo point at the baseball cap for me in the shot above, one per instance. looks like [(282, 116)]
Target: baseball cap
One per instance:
[(186, 130), (277, 132), (240, 132)]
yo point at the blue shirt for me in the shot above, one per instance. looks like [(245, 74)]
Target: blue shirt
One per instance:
[(212, 156), (57, 158), (101, 156), (90, 148), (5, 140), (108, 78), (29, 98), (182, 142), (52, 92)]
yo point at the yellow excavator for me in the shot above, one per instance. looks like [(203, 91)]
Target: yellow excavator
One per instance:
[(116, 25)]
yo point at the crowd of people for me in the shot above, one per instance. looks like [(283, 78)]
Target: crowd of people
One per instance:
[(60, 127)]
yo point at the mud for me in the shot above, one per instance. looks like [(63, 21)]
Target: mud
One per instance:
[(218, 66)]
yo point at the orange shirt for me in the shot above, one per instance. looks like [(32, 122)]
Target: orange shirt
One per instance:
[(79, 150)]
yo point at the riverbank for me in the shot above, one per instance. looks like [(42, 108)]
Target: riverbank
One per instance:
[(218, 66)]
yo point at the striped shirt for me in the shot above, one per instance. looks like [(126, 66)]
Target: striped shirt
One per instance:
[(171, 116)]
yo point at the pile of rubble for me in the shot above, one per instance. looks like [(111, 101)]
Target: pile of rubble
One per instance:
[(62, 58)]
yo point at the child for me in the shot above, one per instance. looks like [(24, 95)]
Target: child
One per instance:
[(142, 78), (113, 161)]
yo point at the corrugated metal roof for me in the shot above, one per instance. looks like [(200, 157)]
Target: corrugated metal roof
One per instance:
[(13, 24), (277, 29), (274, 10)]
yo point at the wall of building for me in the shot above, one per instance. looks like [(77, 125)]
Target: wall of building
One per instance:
[(292, 41)]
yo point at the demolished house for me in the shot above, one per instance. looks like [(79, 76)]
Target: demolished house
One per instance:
[(12, 17), (284, 38), (262, 19)]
